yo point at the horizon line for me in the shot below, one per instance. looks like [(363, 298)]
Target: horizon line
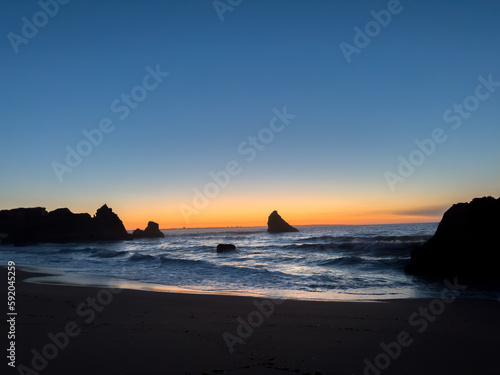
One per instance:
[(299, 225)]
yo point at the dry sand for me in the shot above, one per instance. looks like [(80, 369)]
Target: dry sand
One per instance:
[(140, 332)]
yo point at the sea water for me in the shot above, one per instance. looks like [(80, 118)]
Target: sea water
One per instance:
[(336, 262)]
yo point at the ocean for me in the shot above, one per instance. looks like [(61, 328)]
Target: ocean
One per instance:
[(335, 262)]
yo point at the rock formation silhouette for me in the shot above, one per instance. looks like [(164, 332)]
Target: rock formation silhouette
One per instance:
[(22, 226), (465, 243), (275, 224), (151, 231)]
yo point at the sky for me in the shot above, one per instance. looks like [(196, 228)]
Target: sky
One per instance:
[(215, 113)]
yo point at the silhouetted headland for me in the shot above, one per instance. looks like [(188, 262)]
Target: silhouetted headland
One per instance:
[(23, 226), (465, 243), (151, 231), (276, 224)]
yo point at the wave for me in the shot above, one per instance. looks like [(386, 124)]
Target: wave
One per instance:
[(138, 257), (343, 261), (77, 250), (94, 252), (398, 263), (104, 253), (326, 238), (414, 238), (367, 263), (375, 246), (352, 246), (165, 259), (208, 270)]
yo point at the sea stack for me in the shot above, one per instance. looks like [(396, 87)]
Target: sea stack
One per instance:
[(151, 231), (276, 224), (465, 244)]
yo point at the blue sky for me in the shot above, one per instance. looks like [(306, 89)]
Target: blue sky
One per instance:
[(352, 121)]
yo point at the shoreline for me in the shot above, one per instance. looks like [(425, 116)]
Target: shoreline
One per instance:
[(48, 276), (133, 332)]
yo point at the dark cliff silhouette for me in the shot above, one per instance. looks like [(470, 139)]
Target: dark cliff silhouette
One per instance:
[(275, 224), (151, 231), (33, 225), (465, 243)]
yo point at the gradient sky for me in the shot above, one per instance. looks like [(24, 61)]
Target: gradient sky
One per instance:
[(353, 120)]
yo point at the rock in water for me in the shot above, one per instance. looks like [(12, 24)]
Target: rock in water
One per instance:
[(275, 224), (223, 247), (138, 233), (151, 231), (465, 243)]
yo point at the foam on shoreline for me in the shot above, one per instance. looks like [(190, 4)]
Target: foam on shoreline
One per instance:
[(57, 277)]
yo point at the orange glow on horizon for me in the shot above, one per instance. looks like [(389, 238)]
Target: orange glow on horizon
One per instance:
[(253, 209), (252, 219), (238, 210)]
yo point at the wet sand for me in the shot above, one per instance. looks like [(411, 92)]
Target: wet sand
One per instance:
[(88, 330)]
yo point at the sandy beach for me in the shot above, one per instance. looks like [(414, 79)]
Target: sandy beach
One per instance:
[(87, 330)]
